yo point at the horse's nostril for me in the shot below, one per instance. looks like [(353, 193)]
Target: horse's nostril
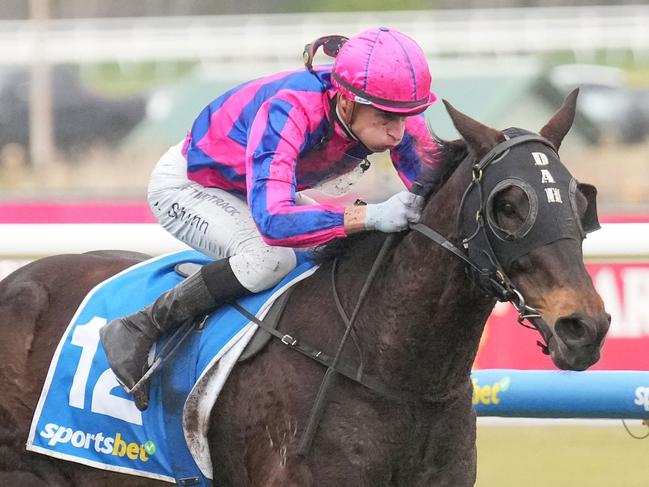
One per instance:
[(571, 329), (608, 317)]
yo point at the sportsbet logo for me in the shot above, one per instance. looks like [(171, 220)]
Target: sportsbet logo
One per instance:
[(489, 393), (642, 397), (101, 444)]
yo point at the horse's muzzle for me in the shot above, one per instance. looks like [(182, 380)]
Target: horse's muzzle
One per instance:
[(577, 340)]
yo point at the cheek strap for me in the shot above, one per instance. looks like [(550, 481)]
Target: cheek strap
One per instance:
[(347, 126)]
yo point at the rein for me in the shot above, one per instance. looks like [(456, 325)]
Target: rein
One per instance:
[(353, 373), (502, 288), (334, 364)]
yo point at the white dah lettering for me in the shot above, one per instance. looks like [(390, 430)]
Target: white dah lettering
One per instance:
[(546, 177), (540, 159), (553, 195), (627, 306)]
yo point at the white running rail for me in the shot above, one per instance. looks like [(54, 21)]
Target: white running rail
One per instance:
[(278, 38), (616, 241)]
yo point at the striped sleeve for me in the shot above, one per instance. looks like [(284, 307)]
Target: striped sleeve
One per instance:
[(276, 136), (416, 148)]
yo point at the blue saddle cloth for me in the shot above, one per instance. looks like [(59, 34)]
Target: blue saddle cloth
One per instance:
[(84, 416)]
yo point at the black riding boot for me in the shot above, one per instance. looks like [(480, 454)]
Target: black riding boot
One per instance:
[(127, 340)]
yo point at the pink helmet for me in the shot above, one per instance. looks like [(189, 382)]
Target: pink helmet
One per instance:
[(386, 69)]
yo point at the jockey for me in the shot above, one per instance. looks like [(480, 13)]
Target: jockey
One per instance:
[(232, 189)]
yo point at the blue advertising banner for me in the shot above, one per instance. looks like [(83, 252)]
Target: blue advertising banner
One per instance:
[(561, 394)]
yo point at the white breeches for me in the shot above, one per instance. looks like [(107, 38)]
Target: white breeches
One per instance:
[(215, 222)]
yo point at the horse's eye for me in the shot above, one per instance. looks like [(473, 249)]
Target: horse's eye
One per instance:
[(506, 209)]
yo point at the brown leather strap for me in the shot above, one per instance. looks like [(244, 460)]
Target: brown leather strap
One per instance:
[(344, 369)]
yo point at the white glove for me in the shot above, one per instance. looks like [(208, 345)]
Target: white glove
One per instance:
[(394, 214)]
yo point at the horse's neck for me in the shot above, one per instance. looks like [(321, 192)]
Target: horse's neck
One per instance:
[(424, 318)]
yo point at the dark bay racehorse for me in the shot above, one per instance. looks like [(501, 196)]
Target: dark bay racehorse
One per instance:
[(417, 333)]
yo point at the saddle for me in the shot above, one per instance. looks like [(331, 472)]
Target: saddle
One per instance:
[(82, 398)]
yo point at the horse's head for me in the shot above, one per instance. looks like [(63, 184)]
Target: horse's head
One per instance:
[(522, 221)]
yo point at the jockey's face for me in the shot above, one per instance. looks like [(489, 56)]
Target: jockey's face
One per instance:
[(378, 130)]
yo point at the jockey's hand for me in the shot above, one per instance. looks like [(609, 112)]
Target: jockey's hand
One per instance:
[(394, 214)]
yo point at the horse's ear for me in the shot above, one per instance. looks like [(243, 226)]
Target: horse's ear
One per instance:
[(479, 138), (557, 128)]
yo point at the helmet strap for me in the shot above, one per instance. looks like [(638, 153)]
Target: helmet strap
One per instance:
[(345, 125)]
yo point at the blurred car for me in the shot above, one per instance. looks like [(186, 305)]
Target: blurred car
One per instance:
[(618, 111), (501, 95), (81, 118)]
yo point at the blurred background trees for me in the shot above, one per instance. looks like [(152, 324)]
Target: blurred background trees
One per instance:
[(19, 9)]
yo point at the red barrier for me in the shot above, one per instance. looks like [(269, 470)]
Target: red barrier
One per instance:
[(75, 212), (137, 211)]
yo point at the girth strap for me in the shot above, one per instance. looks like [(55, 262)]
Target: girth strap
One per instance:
[(352, 373), (260, 339)]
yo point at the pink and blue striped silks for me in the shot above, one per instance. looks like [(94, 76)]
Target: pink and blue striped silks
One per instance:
[(264, 139)]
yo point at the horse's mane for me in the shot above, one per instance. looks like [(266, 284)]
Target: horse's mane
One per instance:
[(450, 153), (371, 241), (448, 156)]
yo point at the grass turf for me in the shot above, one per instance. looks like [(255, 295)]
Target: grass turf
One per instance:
[(562, 456)]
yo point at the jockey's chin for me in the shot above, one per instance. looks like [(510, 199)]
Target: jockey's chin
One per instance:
[(378, 130), (382, 148), (380, 142)]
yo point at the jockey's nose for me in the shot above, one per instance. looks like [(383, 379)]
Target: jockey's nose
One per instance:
[(397, 128)]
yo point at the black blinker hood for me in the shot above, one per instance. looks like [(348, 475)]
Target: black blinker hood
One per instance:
[(535, 168)]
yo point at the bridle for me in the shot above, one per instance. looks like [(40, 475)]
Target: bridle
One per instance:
[(499, 285), (486, 270)]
